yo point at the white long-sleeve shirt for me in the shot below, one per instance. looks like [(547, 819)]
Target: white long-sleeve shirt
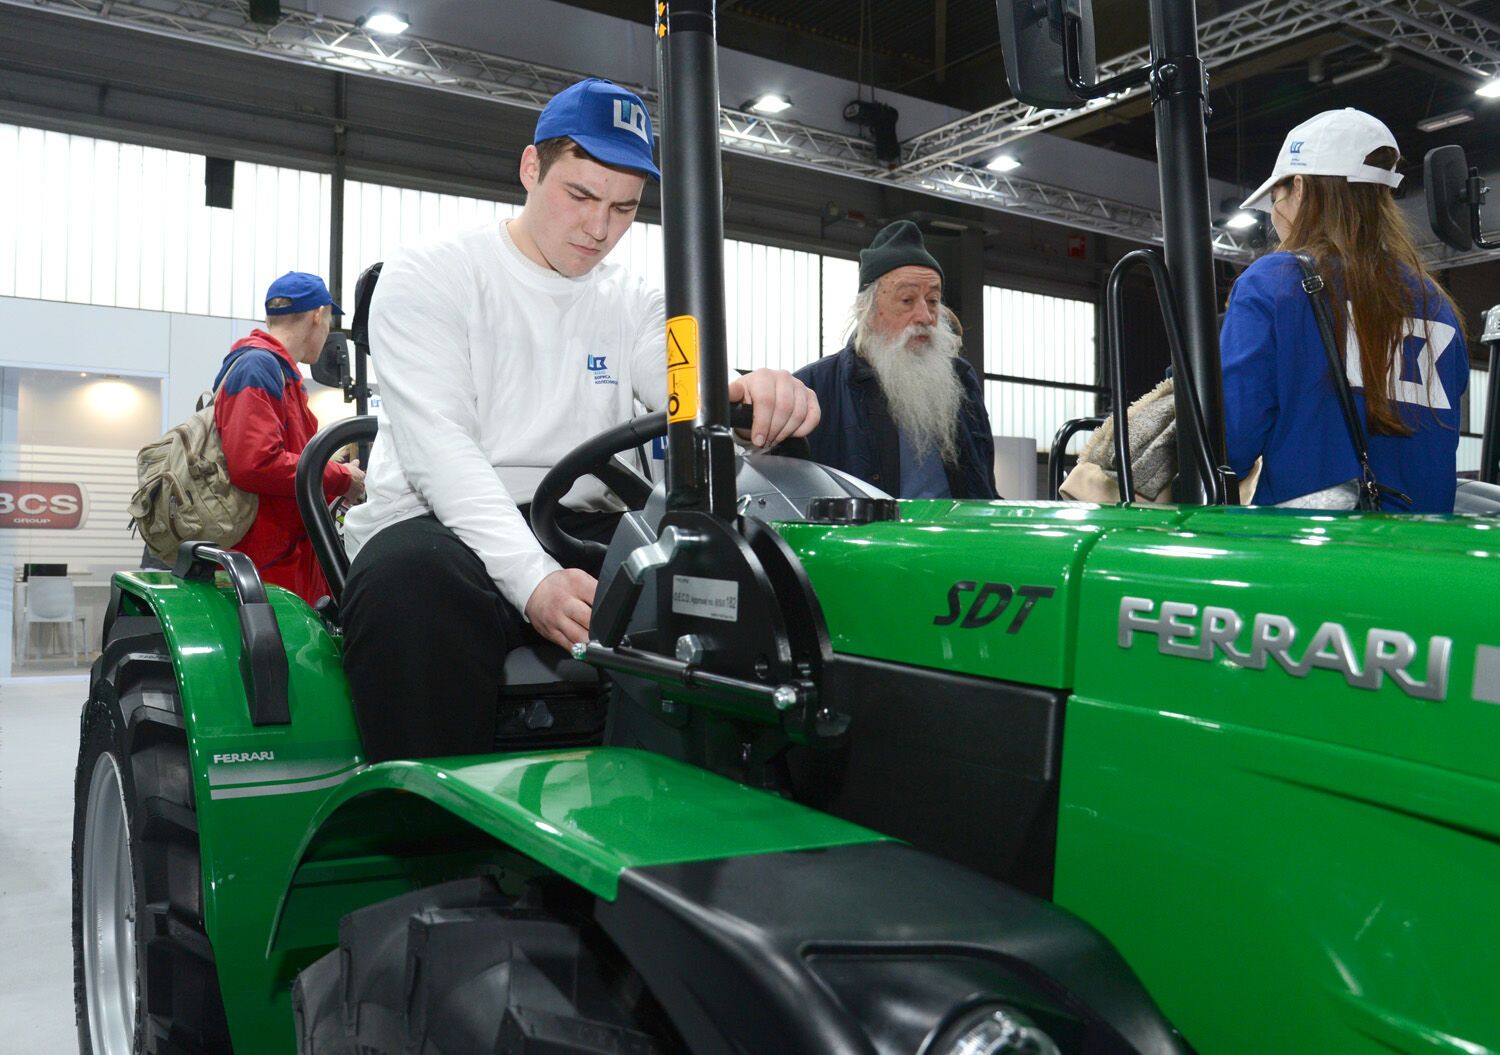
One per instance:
[(491, 369)]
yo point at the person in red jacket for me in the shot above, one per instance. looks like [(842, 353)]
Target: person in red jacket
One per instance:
[(264, 423)]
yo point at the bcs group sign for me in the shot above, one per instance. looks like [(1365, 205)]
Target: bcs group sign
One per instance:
[(30, 504)]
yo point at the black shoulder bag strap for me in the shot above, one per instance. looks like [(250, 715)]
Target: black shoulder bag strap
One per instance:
[(1371, 491)]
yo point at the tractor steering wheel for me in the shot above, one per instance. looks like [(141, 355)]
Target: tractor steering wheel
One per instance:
[(592, 458)]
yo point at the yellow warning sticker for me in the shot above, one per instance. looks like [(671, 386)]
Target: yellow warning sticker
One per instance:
[(682, 368)]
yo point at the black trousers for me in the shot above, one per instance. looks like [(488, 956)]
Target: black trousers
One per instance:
[(426, 633)]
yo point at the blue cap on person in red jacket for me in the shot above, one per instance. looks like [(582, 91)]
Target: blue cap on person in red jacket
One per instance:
[(305, 292), (609, 122)]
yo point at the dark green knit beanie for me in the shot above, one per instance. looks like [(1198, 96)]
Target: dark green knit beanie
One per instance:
[(896, 245)]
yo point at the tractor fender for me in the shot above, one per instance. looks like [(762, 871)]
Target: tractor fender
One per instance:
[(587, 815)]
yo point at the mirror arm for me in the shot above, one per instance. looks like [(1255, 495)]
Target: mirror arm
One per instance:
[(1118, 83), (1474, 194)]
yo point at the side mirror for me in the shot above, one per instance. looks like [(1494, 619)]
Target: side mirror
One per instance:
[(1455, 199), (1048, 48), (332, 367), (1445, 173)]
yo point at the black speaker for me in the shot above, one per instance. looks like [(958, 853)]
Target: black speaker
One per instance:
[(265, 12), (218, 183)]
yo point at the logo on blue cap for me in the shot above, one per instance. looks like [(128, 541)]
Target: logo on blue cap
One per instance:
[(632, 117), (305, 292), (610, 123)]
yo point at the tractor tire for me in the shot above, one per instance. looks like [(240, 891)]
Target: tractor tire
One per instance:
[(460, 968), (144, 979)]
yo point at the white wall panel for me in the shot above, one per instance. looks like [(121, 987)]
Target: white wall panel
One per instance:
[(83, 337), (1476, 400), (839, 288), (10, 191), (100, 545), (771, 298)]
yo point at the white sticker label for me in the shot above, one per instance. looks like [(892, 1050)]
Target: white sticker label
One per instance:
[(710, 598)]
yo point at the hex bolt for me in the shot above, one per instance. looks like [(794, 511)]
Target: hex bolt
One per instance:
[(784, 697), (690, 648)]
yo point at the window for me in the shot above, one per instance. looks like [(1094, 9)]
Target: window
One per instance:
[(380, 219), (135, 232), (1039, 363)]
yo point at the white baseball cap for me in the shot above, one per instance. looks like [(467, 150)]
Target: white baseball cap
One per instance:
[(1335, 143)]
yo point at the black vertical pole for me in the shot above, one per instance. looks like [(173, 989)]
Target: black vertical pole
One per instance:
[(1179, 102), (1489, 449), (336, 202), (700, 451)]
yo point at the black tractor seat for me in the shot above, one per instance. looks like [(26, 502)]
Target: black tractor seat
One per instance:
[(547, 698)]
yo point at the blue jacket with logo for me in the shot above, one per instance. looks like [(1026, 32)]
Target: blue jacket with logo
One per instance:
[(857, 435), (1280, 404)]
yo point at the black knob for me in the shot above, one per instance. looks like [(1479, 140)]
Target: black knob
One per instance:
[(852, 510)]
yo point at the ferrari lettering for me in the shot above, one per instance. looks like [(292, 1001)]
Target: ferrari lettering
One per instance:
[(1208, 633), (246, 756)]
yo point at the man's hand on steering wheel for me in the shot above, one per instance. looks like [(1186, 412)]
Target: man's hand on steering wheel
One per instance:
[(560, 606), (784, 407)]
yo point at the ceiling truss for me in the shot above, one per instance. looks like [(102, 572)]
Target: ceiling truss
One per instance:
[(941, 162)]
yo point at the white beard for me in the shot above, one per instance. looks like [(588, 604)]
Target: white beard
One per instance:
[(921, 387)]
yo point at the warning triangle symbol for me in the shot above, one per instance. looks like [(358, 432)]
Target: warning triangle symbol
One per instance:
[(676, 354)]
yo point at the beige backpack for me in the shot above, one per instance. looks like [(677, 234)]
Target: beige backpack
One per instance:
[(185, 491)]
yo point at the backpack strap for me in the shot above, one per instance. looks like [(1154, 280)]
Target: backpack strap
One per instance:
[(1371, 491)]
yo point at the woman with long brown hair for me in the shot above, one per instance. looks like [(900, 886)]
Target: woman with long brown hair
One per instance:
[(1329, 197)]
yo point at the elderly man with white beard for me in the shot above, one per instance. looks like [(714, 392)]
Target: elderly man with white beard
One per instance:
[(902, 408)]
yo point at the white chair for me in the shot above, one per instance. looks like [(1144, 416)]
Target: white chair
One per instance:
[(50, 599)]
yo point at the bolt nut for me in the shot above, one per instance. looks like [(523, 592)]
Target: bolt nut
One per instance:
[(784, 697), (690, 648)]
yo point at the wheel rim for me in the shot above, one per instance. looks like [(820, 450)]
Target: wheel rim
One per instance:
[(108, 914)]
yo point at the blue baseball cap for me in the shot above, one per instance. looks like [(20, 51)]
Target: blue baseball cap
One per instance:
[(305, 292), (609, 122)]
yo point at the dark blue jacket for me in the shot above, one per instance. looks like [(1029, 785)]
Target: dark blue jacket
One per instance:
[(858, 436)]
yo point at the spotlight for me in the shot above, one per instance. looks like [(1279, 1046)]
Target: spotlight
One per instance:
[(880, 119), (769, 103), (386, 23), (265, 12), (1490, 89), (1004, 163), (1441, 121), (1241, 220)]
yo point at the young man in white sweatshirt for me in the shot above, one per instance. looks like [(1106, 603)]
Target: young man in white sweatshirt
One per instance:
[(499, 350)]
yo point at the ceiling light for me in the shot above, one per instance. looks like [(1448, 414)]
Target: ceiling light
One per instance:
[(1441, 121), (1240, 220), (1004, 163), (386, 23), (769, 103), (1490, 89)]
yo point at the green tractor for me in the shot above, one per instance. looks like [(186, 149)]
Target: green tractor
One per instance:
[(835, 773)]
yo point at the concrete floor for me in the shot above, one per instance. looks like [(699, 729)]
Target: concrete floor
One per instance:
[(38, 751)]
